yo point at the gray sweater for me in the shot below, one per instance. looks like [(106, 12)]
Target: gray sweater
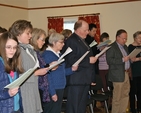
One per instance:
[(29, 89)]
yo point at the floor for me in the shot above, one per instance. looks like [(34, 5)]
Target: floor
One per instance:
[(102, 110)]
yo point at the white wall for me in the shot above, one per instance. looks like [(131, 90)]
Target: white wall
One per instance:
[(46, 3), (8, 14), (112, 16)]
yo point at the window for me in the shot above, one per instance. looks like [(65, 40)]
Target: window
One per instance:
[(69, 23)]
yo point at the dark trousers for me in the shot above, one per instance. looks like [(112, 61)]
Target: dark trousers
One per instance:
[(54, 107), (135, 89), (103, 75), (77, 97)]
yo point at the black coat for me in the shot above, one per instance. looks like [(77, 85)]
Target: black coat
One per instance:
[(84, 74)]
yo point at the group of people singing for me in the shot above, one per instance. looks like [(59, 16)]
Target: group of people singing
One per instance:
[(21, 48)]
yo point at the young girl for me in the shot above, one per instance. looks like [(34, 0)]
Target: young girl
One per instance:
[(10, 99), (29, 90)]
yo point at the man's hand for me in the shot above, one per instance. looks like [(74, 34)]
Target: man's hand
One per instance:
[(93, 60)]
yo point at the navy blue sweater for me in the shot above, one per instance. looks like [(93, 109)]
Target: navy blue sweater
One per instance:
[(56, 78)]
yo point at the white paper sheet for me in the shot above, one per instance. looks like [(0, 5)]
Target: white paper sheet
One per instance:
[(66, 52), (22, 78), (93, 43), (55, 64), (135, 52), (104, 43), (80, 59), (103, 51)]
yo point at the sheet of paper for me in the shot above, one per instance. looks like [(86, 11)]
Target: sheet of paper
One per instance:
[(107, 42), (103, 51), (22, 78), (93, 43), (55, 64), (66, 52), (80, 59), (135, 52)]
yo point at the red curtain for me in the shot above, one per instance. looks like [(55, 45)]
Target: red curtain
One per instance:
[(93, 19), (55, 23)]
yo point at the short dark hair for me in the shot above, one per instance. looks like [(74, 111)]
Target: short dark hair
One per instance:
[(120, 31), (91, 26), (136, 34), (2, 30), (104, 35)]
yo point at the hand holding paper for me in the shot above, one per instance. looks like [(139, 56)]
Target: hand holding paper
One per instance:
[(22, 78), (78, 61), (135, 52), (55, 64)]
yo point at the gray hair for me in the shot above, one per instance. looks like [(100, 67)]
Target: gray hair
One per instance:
[(54, 37)]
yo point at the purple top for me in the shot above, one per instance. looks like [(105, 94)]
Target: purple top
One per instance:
[(103, 63), (43, 82)]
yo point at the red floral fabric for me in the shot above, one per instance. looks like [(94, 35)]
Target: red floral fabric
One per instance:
[(55, 23)]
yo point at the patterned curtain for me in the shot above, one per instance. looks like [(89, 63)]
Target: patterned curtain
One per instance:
[(55, 23), (93, 19)]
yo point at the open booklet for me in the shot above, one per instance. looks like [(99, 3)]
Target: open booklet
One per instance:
[(22, 78), (107, 42), (80, 59), (93, 43), (135, 52), (103, 51)]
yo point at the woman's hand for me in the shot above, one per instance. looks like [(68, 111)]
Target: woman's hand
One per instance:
[(54, 98), (41, 71), (55, 66), (13, 91)]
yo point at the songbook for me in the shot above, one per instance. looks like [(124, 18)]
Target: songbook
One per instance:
[(22, 78), (80, 59), (93, 43), (55, 64), (103, 51), (135, 52), (107, 42), (69, 50)]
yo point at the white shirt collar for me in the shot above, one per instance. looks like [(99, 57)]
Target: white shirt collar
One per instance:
[(50, 49)]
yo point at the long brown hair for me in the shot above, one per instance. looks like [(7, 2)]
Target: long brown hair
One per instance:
[(13, 64)]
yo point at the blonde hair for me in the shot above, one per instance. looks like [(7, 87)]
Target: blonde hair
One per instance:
[(36, 33), (51, 31)]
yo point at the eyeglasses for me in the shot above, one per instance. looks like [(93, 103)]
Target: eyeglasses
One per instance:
[(42, 39), (61, 42), (10, 47)]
